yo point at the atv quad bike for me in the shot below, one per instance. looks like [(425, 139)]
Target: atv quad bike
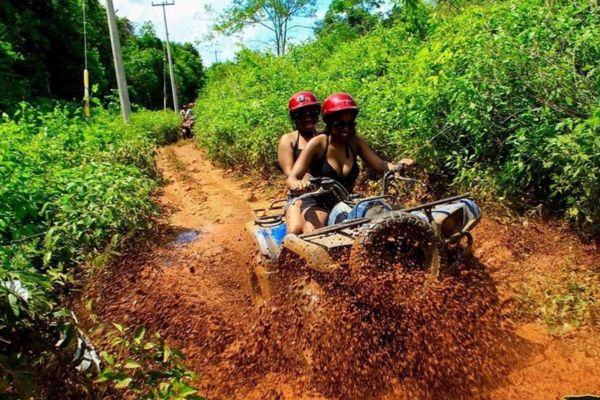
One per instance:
[(360, 231)]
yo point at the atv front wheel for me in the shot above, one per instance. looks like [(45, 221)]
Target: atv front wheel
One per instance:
[(398, 240)]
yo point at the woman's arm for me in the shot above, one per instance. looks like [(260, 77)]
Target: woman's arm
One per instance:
[(373, 161), (285, 154), (311, 152)]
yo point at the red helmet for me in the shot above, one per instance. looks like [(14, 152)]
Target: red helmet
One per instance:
[(302, 99), (338, 102)]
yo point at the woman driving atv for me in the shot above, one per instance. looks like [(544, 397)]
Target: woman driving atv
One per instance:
[(303, 108), (333, 155)]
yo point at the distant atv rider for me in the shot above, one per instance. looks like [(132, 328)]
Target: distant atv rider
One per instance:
[(334, 155), (303, 108), (188, 120)]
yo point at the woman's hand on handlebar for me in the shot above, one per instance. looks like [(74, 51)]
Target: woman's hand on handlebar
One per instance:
[(407, 162), (299, 185), (401, 166)]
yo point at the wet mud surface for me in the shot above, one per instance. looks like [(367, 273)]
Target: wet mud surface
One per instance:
[(353, 334)]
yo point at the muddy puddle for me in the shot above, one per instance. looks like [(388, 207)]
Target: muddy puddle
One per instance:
[(187, 236)]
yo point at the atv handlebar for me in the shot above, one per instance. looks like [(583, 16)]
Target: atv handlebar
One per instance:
[(394, 175), (320, 186)]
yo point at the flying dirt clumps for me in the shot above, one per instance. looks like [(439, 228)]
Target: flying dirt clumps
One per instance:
[(431, 337), (365, 334)]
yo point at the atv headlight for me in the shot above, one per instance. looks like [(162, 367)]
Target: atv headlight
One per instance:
[(453, 223)]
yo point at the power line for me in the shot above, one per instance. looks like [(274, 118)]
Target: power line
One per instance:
[(172, 73), (216, 55)]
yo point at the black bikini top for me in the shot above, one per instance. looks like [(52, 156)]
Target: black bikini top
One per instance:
[(295, 150), (322, 168)]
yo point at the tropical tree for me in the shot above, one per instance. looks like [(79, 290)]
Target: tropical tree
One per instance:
[(42, 49), (42, 55), (144, 63), (144, 59), (189, 71), (357, 16), (275, 15)]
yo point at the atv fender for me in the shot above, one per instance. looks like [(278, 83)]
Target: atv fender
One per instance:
[(315, 256)]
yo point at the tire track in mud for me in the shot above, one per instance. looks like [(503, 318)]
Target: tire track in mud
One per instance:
[(190, 284)]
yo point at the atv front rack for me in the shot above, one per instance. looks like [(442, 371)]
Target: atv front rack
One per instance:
[(272, 215), (360, 221)]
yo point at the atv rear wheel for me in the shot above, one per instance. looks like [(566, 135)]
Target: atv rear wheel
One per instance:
[(398, 240)]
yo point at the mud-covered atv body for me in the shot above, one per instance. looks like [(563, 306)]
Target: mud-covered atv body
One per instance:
[(367, 230)]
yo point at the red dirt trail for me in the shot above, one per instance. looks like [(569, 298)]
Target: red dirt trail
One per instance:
[(196, 294)]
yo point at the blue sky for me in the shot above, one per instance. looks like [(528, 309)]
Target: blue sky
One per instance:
[(189, 22)]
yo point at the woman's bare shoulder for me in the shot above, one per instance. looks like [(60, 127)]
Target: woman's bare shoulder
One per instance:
[(358, 140), (359, 143), (316, 142), (288, 137), (320, 139)]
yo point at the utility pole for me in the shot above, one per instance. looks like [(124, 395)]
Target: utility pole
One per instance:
[(86, 76), (216, 56), (119, 70), (164, 78), (173, 86)]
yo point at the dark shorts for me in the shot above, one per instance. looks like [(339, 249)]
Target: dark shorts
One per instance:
[(325, 202)]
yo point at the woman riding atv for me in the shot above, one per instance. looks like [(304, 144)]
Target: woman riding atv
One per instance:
[(333, 155), (304, 109), (188, 120)]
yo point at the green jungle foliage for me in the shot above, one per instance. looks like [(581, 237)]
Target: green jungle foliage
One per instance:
[(501, 96), (70, 190), (43, 41), (144, 58), (42, 55), (144, 367)]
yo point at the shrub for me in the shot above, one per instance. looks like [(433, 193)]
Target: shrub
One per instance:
[(501, 97), (69, 190), (146, 368), (162, 126)]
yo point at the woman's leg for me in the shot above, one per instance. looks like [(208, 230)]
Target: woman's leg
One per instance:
[(315, 217), (294, 219)]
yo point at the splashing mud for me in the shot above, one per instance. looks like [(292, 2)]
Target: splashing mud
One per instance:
[(361, 332), (365, 335)]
